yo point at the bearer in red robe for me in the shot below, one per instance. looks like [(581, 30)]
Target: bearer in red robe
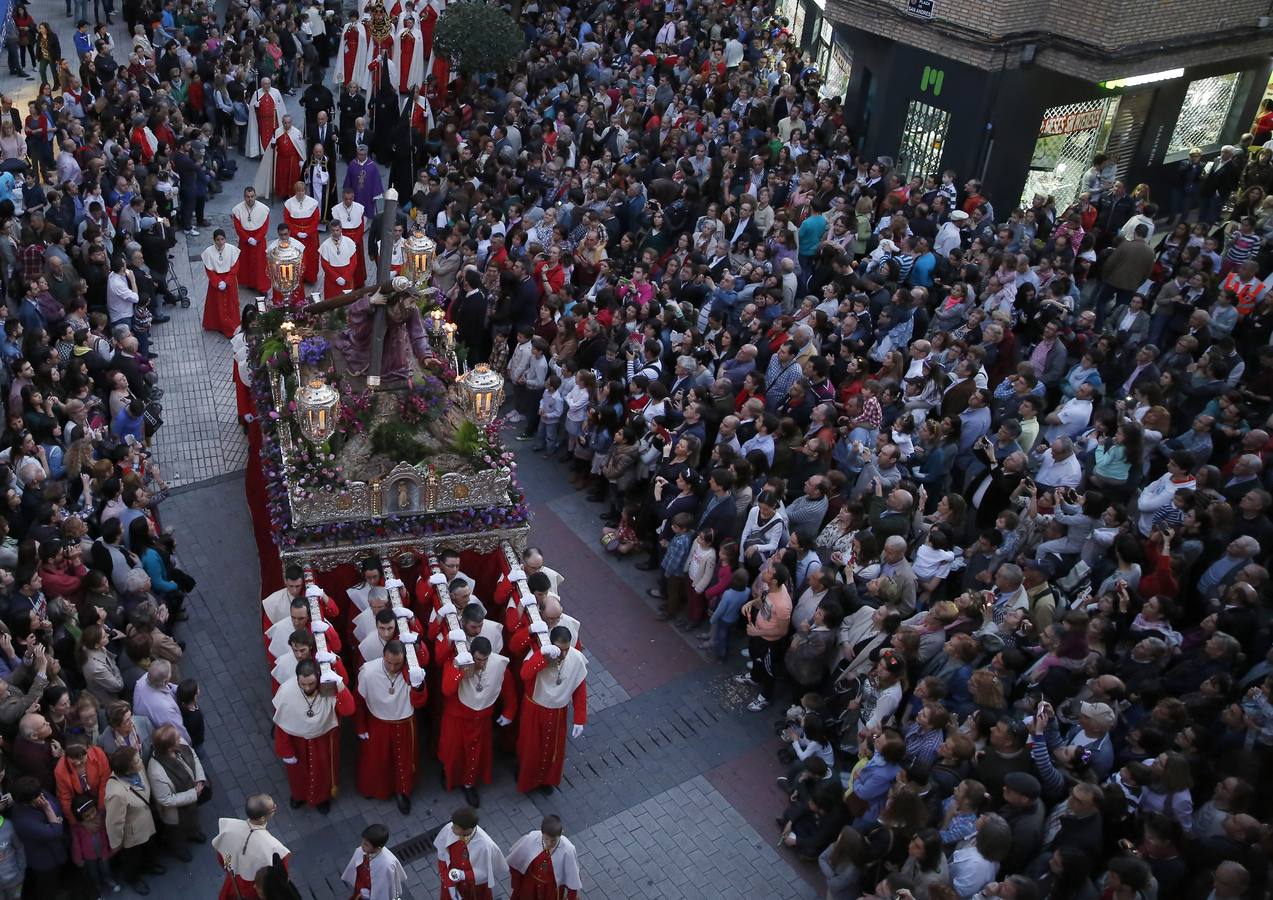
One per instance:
[(468, 860), (221, 306), (426, 589), (351, 58), (372, 646), (144, 140), (371, 576), (301, 213), (428, 21), (307, 733), (252, 226), (543, 864), (555, 677), (245, 847), (303, 647), (278, 635), (277, 606), (289, 154), (390, 752), (473, 624), (472, 683), (351, 216), (338, 257)]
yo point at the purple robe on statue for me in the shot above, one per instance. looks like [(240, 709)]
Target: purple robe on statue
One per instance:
[(364, 180), (402, 341)]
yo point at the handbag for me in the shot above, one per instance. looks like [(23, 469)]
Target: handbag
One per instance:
[(152, 417)]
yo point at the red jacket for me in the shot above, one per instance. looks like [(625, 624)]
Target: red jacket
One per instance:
[(68, 782)]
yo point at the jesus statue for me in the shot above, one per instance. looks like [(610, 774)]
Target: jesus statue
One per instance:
[(405, 336)]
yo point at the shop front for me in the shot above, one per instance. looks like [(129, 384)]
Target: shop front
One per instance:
[(1030, 130)]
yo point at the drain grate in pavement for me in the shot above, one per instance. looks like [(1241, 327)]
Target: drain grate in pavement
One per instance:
[(417, 847)]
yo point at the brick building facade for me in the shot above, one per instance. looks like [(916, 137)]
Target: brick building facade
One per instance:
[(1022, 93)]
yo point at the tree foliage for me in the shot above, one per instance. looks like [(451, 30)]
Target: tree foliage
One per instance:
[(478, 35)]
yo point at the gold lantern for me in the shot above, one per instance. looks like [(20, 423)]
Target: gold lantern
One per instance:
[(418, 252), (316, 410), (283, 261), (485, 389)]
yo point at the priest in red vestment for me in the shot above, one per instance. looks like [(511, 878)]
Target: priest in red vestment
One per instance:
[(221, 306), (555, 677), (252, 226), (307, 733), (338, 256), (389, 755), (267, 108), (281, 164), (353, 223), (543, 864), (245, 847), (468, 860), (472, 683), (301, 213)]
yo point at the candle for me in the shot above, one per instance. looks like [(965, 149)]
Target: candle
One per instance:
[(322, 419)]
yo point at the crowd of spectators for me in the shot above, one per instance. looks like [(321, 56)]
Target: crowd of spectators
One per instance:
[(983, 489)]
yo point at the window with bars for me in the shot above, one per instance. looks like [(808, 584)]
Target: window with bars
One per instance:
[(838, 69), (1203, 115), (923, 139), (1069, 137)]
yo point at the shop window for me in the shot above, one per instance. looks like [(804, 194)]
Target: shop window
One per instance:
[(923, 139), (797, 23), (787, 9), (1204, 114), (1069, 136)]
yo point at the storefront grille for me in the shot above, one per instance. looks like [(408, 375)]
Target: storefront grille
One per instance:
[(1069, 137), (923, 139), (838, 69), (1204, 113)]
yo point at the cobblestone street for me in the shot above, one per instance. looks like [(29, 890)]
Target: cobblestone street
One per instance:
[(668, 794)]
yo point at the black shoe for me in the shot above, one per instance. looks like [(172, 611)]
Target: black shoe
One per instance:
[(546, 789), (155, 869), (324, 808), (404, 804), (596, 498), (610, 521), (296, 804), (204, 223), (181, 853), (198, 838), (140, 887), (471, 797), (152, 355), (160, 318), (647, 566)]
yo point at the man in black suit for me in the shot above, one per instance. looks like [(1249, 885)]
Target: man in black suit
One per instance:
[(147, 287), (323, 132), (357, 136), (719, 512)]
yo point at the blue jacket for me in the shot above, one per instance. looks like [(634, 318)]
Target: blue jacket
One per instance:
[(43, 843), (871, 785)]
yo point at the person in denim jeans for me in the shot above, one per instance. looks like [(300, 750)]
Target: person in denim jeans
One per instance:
[(726, 616), (551, 407)]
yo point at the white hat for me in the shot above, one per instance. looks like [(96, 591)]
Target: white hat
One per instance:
[(958, 215)]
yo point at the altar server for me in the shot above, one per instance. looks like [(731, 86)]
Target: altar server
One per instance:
[(474, 681), (555, 677), (307, 733), (389, 755), (543, 864)]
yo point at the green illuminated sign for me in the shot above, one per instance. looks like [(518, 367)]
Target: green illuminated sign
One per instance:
[(932, 78)]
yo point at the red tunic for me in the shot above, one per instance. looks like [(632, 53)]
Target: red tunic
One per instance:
[(362, 878), (313, 778), (539, 882), (221, 307), (428, 21), (406, 52), (464, 745), (541, 732), (287, 167), (458, 858), (252, 269), (351, 52), (388, 761), (331, 272), (267, 123), (360, 256), (304, 230)]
